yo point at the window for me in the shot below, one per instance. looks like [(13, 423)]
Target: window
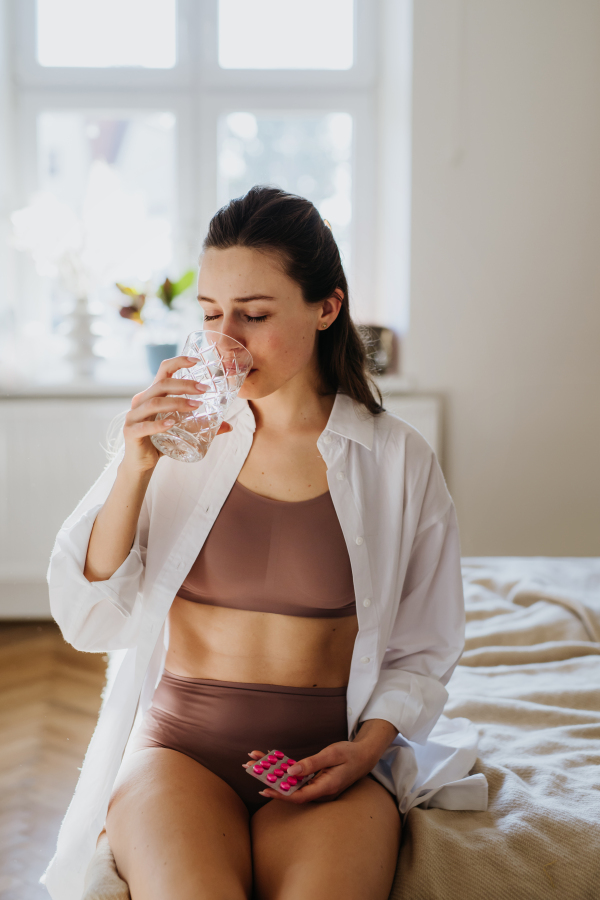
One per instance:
[(101, 33), (271, 34), (166, 109), (305, 154)]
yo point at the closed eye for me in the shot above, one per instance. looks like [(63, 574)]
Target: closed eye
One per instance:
[(248, 318)]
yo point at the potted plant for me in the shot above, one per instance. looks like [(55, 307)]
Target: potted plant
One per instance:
[(155, 311)]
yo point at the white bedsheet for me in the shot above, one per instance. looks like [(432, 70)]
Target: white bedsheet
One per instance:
[(529, 679)]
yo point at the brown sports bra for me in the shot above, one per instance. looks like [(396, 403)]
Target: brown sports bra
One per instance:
[(274, 556)]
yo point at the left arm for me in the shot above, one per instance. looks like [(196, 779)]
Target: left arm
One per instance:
[(423, 648)]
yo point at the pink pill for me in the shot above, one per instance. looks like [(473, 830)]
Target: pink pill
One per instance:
[(272, 778), (284, 786), (272, 758), (284, 766), (279, 754), (291, 780), (258, 770), (278, 772), (291, 762), (266, 765)]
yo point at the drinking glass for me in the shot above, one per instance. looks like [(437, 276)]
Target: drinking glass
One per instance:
[(222, 366)]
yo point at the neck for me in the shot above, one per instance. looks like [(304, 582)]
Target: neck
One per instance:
[(295, 406)]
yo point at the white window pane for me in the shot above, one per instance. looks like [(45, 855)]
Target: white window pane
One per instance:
[(115, 174), (286, 34), (102, 33), (310, 155)]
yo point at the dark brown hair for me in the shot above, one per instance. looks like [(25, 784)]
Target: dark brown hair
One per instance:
[(270, 219)]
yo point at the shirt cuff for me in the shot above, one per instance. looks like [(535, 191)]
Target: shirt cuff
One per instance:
[(72, 596), (412, 703)]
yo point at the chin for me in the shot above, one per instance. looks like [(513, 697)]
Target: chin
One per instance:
[(255, 387)]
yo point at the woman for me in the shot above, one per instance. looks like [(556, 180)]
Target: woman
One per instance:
[(308, 571)]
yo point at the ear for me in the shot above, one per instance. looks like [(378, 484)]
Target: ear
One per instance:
[(330, 309)]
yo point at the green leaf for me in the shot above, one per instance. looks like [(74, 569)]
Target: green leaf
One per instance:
[(184, 283)]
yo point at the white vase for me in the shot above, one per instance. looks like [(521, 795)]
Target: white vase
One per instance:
[(81, 354)]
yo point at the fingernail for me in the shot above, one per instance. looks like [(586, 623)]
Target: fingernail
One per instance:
[(295, 769), (169, 422), (192, 358), (194, 402), (200, 387)]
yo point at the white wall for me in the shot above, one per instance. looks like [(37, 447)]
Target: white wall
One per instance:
[(7, 175), (505, 284)]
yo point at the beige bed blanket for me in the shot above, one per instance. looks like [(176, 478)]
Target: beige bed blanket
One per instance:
[(530, 680)]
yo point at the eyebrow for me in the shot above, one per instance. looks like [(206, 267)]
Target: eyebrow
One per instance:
[(239, 299)]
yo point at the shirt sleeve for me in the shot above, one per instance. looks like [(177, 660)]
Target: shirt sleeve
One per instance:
[(96, 616), (427, 637)]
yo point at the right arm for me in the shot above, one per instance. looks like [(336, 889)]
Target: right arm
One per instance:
[(97, 565), (115, 526)]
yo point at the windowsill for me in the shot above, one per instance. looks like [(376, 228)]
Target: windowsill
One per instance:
[(388, 384)]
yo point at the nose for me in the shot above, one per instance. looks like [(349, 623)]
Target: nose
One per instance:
[(231, 327)]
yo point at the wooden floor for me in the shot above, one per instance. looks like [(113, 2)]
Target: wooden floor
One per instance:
[(49, 703)]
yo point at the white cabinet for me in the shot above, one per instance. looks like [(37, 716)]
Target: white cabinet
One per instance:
[(51, 452), (50, 455)]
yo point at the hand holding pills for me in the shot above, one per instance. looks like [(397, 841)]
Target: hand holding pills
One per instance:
[(318, 778), (274, 769)]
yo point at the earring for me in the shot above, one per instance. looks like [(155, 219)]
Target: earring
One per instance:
[(324, 325)]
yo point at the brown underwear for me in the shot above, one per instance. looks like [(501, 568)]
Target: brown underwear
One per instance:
[(218, 723)]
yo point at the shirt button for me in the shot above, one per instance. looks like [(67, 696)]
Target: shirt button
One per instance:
[(328, 439), (349, 710), (367, 601), (365, 659), (340, 476), (359, 540)]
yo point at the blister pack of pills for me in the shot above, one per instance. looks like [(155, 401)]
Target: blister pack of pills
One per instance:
[(272, 770)]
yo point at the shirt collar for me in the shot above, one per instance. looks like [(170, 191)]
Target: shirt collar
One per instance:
[(347, 419), (351, 420)]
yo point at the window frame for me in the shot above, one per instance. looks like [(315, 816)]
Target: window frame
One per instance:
[(30, 74), (361, 74), (198, 91), (363, 157), (32, 103)]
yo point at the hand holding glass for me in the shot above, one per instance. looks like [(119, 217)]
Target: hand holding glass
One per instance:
[(222, 365)]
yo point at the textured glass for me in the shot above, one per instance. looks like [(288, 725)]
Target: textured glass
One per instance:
[(286, 34), (103, 33), (306, 154), (222, 366)]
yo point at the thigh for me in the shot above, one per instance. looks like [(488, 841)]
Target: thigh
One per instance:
[(177, 830), (347, 847)]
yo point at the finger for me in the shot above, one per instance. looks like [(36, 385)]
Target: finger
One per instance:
[(329, 756), (168, 386), (315, 790), (155, 405), (148, 428), (169, 366), (254, 754)]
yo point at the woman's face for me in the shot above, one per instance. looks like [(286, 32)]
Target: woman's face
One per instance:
[(246, 294)]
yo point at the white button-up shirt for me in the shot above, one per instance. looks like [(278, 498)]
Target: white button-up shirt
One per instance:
[(400, 529)]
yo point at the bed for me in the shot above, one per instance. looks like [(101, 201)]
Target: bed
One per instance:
[(530, 680)]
